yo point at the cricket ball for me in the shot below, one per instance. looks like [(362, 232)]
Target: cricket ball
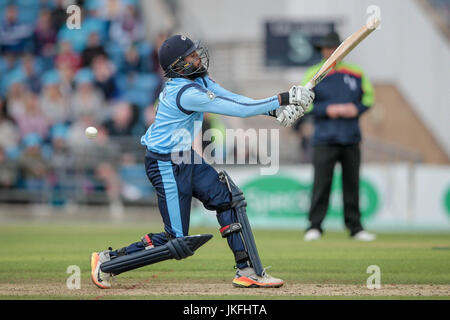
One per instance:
[(91, 132)]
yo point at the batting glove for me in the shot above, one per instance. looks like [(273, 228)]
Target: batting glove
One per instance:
[(301, 96), (287, 115)]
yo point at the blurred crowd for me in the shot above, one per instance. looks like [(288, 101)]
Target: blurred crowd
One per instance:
[(56, 81)]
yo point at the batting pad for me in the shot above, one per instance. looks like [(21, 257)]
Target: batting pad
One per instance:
[(178, 248)]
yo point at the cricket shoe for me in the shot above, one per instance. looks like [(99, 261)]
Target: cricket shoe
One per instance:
[(247, 278), (99, 278), (364, 236), (312, 234)]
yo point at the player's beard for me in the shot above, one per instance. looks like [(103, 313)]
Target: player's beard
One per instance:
[(200, 73)]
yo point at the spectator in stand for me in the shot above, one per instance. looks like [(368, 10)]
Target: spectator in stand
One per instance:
[(162, 36), (8, 63), (123, 120), (128, 28), (109, 180), (59, 15), (76, 138), (90, 153), (111, 9), (66, 79), (54, 104), (61, 163), (9, 134), (94, 48), (61, 157), (87, 99), (32, 77), (14, 36), (132, 61), (32, 165), (66, 55), (104, 72), (8, 170), (45, 37), (16, 93), (33, 120)]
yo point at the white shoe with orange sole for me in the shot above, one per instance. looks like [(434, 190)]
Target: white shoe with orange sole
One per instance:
[(98, 277), (247, 278)]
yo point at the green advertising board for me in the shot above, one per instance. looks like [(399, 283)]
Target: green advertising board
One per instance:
[(283, 196)]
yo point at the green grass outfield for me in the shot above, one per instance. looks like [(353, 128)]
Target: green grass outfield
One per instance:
[(34, 259)]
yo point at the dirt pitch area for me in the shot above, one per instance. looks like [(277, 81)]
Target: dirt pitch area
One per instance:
[(160, 290)]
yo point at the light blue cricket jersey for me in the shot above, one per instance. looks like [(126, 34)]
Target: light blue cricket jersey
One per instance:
[(180, 112)]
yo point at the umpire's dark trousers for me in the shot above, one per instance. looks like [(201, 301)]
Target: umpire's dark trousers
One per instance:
[(324, 159)]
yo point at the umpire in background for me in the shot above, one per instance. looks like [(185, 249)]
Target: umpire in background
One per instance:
[(341, 98)]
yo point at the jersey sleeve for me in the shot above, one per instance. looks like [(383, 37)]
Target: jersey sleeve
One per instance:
[(194, 97)]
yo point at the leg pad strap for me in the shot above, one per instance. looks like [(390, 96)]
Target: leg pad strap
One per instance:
[(231, 228), (178, 248)]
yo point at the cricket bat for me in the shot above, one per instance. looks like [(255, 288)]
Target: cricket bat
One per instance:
[(346, 46)]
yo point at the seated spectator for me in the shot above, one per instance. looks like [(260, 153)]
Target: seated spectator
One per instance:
[(111, 9), (94, 21), (109, 180), (161, 37), (87, 99), (9, 134), (45, 37), (76, 138), (123, 120), (104, 72), (132, 61), (61, 156), (94, 48), (128, 28), (32, 165), (88, 153), (16, 93), (54, 104), (66, 78), (59, 14), (33, 120), (8, 171), (62, 165), (8, 63), (15, 37), (66, 55), (32, 77)]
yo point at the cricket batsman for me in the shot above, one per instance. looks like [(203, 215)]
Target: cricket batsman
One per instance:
[(178, 173)]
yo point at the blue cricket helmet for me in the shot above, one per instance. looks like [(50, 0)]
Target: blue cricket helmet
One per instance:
[(172, 53)]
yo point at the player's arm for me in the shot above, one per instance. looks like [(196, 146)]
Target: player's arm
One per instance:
[(220, 91), (196, 98), (285, 98)]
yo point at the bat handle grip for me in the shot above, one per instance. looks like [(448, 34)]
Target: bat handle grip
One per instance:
[(309, 85)]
